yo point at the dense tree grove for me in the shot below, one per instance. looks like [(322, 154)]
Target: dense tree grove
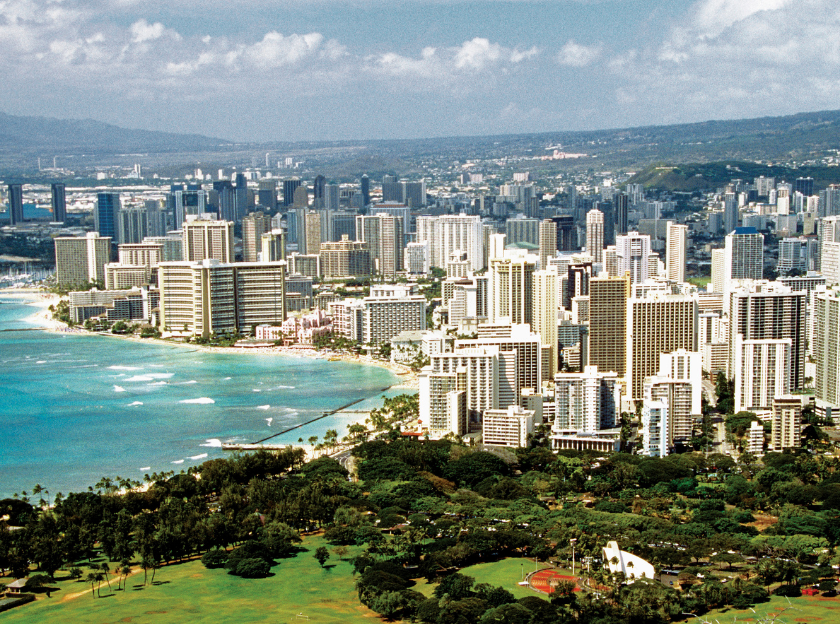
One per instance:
[(416, 509)]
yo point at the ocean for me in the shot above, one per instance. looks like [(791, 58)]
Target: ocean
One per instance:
[(76, 408)]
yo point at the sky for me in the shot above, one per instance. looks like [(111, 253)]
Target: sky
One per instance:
[(289, 70)]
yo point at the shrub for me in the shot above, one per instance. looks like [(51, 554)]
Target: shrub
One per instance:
[(214, 559), (253, 568)]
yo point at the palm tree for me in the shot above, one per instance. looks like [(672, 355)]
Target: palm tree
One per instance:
[(92, 577), (105, 569), (125, 570), (145, 564), (38, 489)]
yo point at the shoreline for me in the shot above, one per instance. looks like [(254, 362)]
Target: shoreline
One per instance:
[(43, 318)]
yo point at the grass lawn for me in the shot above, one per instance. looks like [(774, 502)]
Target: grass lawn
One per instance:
[(805, 609), (505, 573), (699, 281), (190, 593)]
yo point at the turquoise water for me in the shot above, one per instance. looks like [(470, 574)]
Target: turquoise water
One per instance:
[(76, 408)]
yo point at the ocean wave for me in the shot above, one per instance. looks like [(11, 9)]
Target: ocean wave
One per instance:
[(40, 362), (160, 374), (138, 379), (146, 468), (264, 407), (177, 461), (268, 420), (213, 442), (195, 457), (198, 401), (226, 378), (291, 415), (285, 387), (256, 390), (123, 367), (117, 388), (159, 383), (188, 383), (136, 403)]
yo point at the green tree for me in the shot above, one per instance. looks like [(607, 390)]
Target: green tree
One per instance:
[(322, 555), (92, 578)]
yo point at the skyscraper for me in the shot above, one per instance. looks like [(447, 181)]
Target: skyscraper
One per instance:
[(632, 252), (15, 204), (763, 311), (595, 235), (254, 225), (81, 260), (548, 242), (208, 239), (267, 195), (658, 323), (620, 201), (384, 235), (241, 196), (58, 202), (730, 212), (512, 289), (105, 216), (289, 188), (676, 251), (608, 323), (743, 256), (318, 185), (546, 305), (826, 349), (366, 190)]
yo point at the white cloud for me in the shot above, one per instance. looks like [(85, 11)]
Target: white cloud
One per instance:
[(276, 50), (142, 31), (578, 55)]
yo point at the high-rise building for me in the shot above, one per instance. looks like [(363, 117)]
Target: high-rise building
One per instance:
[(658, 323), (131, 225), (620, 201), (208, 240), (608, 323), (512, 289), (58, 202), (241, 196), (587, 401), (546, 307), (825, 349), (206, 297), (763, 318), (345, 258), (313, 228), (595, 235), (829, 204), (676, 251), (451, 233), (331, 196), (804, 185), (632, 253), (384, 235), (254, 225), (730, 212), (655, 429), (786, 423), (267, 195), (273, 245), (289, 188), (548, 242), (81, 260), (521, 229), (743, 256), (567, 240), (318, 192), (365, 183), (227, 200), (105, 214), (15, 204)]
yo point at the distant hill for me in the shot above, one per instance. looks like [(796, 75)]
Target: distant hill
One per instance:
[(711, 175), (35, 134)]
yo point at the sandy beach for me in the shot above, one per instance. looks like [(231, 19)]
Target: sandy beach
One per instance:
[(43, 319)]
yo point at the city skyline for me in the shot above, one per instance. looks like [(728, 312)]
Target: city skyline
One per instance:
[(336, 70)]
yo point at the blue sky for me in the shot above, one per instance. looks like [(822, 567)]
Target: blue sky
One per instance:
[(348, 69)]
